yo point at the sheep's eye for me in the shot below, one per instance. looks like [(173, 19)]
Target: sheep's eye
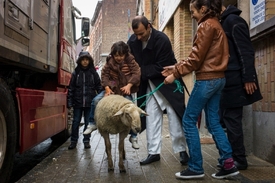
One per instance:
[(127, 116)]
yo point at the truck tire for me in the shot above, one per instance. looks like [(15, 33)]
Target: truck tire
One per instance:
[(8, 132), (65, 134)]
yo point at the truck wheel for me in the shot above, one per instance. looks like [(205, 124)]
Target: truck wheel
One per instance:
[(8, 129), (65, 134)]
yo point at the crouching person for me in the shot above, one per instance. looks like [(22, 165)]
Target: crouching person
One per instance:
[(84, 86), (120, 75)]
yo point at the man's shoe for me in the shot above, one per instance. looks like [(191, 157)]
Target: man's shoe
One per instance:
[(72, 145), (240, 166), (134, 141), (150, 159), (89, 129), (188, 174), (87, 145), (224, 173), (184, 157)]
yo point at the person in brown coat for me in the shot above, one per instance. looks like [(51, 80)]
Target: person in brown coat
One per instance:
[(120, 75), (208, 59)]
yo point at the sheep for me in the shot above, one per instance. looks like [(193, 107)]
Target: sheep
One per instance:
[(116, 114)]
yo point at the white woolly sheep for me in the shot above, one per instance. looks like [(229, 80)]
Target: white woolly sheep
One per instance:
[(116, 114)]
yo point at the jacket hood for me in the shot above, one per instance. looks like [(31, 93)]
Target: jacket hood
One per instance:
[(85, 54), (230, 10)]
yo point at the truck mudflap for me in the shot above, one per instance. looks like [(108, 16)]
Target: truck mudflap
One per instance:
[(42, 114)]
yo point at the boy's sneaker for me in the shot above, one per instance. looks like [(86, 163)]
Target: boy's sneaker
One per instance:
[(188, 174), (90, 129), (223, 173), (134, 142)]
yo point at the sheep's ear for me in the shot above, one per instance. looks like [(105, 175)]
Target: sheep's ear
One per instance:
[(143, 113), (118, 112)]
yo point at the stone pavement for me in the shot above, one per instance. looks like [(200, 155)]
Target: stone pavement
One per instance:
[(90, 165)]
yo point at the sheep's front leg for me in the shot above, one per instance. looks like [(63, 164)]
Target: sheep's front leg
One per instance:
[(121, 150), (108, 148)]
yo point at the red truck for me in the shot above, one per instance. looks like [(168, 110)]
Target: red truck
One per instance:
[(37, 56)]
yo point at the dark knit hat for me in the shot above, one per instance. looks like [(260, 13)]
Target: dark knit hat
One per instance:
[(84, 54)]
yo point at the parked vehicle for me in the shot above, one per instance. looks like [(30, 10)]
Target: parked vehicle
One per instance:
[(37, 57)]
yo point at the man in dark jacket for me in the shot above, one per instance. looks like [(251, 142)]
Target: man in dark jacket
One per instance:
[(241, 87), (84, 86), (152, 50)]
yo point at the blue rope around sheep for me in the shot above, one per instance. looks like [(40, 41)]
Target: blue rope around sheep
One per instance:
[(179, 88)]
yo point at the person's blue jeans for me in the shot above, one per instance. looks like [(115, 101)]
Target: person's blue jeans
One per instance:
[(95, 101), (76, 122), (129, 97), (205, 95), (93, 106)]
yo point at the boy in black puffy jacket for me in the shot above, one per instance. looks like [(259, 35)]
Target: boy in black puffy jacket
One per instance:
[(85, 84)]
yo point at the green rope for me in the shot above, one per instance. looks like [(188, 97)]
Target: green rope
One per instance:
[(179, 88)]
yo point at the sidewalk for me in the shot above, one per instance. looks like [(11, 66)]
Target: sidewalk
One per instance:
[(90, 165)]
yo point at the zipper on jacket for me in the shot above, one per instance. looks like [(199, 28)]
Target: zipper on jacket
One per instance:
[(77, 78), (84, 87)]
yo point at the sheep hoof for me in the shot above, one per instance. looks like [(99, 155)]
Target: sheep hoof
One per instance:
[(122, 171), (110, 169)]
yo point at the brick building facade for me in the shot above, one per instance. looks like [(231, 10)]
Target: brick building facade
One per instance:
[(111, 23)]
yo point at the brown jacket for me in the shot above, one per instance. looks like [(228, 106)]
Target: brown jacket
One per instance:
[(117, 75), (210, 54)]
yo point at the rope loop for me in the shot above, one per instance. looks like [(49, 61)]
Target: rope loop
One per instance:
[(179, 88)]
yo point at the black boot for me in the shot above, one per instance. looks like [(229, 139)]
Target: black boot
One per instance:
[(150, 159), (241, 166), (72, 145), (184, 157), (87, 145)]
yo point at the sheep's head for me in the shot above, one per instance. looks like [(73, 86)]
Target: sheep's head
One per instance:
[(130, 116)]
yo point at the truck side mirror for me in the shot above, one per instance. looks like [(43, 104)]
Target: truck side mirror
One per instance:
[(85, 41), (85, 28)]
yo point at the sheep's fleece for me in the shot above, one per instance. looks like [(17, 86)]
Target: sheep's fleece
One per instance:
[(110, 114)]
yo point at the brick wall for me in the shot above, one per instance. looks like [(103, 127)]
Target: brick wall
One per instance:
[(265, 65), (116, 23), (269, 9), (96, 39), (183, 31), (183, 38), (113, 24), (147, 9), (169, 31)]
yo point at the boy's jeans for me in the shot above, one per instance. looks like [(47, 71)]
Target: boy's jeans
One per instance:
[(205, 95), (93, 106), (76, 122)]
